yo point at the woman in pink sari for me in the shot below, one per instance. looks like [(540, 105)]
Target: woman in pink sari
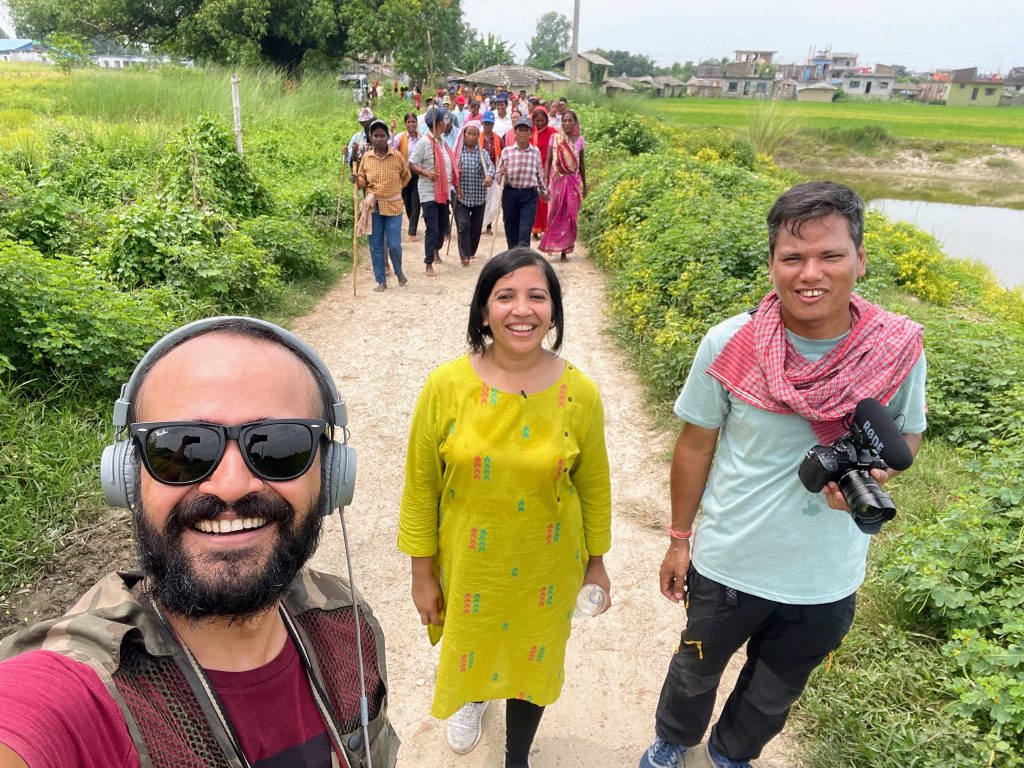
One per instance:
[(567, 183)]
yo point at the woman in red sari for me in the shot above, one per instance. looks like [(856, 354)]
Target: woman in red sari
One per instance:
[(567, 184), (541, 139)]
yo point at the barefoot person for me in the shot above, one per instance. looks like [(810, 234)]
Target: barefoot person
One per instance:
[(222, 649), (405, 142), (476, 174), (567, 182), (506, 509), (433, 161)]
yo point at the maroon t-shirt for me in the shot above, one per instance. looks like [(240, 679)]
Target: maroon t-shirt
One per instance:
[(55, 712)]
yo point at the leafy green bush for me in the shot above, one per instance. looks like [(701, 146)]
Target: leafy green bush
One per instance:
[(686, 242), (62, 321), (964, 570), (619, 131), (33, 211), (236, 275), (290, 245), (203, 169), (146, 241)]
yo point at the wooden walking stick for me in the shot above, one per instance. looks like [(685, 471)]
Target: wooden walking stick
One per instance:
[(451, 218), (497, 215), (355, 222)]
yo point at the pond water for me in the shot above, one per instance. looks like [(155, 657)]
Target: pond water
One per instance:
[(994, 236)]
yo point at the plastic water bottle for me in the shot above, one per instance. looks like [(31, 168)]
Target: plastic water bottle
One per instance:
[(590, 601)]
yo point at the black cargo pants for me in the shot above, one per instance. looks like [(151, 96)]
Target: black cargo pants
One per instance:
[(784, 645)]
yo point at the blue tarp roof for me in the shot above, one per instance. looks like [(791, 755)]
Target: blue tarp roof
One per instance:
[(6, 46)]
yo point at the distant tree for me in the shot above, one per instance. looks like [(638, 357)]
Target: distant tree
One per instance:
[(480, 53), (629, 64), (279, 32), (681, 71), (550, 42), (68, 52), (425, 36)]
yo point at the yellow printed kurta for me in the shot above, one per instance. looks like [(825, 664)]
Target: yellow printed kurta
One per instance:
[(510, 495)]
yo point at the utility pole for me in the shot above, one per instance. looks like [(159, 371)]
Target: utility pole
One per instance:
[(574, 63)]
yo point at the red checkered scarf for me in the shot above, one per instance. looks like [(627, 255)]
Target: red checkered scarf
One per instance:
[(761, 367), (442, 184)]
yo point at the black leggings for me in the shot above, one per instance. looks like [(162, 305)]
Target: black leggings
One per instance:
[(521, 721)]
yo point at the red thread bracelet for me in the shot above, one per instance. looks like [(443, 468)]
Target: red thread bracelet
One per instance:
[(677, 534)]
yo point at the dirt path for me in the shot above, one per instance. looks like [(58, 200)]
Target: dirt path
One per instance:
[(380, 347)]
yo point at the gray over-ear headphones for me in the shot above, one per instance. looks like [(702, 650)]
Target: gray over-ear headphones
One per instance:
[(118, 465)]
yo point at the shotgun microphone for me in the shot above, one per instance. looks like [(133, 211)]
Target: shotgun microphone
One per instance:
[(881, 434)]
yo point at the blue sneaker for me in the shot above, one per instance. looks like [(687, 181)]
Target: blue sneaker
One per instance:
[(662, 754)]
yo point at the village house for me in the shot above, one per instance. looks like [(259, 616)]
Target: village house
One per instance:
[(874, 86), (822, 92), (514, 77), (21, 50), (966, 89), (1013, 87), (754, 57), (706, 81), (663, 86), (821, 65), (740, 81), (591, 68)]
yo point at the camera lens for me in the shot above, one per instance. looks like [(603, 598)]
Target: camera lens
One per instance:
[(868, 503)]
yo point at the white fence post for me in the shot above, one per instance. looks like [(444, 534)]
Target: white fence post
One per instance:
[(237, 106)]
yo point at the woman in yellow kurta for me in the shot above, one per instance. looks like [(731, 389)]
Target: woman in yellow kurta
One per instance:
[(506, 509)]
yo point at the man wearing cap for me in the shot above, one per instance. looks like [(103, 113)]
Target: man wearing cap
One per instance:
[(502, 119), (358, 144), (461, 113), (382, 174), (522, 172), (222, 649), (433, 161)]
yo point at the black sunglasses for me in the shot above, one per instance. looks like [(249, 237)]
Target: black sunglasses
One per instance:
[(186, 452)]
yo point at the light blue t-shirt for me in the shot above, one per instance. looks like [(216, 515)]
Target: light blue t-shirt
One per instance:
[(761, 531)]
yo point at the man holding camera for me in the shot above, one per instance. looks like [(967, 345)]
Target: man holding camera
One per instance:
[(774, 565), (222, 649)]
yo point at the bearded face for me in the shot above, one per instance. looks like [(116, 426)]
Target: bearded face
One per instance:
[(239, 582)]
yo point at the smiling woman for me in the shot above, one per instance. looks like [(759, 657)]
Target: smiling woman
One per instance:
[(506, 473)]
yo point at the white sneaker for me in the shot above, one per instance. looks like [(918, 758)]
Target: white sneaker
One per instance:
[(464, 727)]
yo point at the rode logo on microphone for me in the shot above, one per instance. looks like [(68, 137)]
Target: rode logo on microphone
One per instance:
[(873, 438)]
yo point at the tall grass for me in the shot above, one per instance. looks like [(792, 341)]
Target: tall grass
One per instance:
[(179, 94), (48, 474), (768, 127)]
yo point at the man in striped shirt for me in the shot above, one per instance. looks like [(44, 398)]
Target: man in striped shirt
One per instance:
[(520, 168)]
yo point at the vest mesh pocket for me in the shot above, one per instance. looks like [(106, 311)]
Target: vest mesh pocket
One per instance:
[(333, 637), (172, 723)]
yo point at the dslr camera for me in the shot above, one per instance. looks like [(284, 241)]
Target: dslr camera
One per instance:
[(874, 442)]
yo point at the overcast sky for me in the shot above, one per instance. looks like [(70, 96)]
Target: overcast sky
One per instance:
[(920, 35)]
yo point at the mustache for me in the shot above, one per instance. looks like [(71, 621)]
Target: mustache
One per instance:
[(190, 511)]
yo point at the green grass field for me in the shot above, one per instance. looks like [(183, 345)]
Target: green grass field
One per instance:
[(975, 125)]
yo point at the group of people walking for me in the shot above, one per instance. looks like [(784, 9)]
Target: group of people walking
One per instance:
[(462, 165)]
